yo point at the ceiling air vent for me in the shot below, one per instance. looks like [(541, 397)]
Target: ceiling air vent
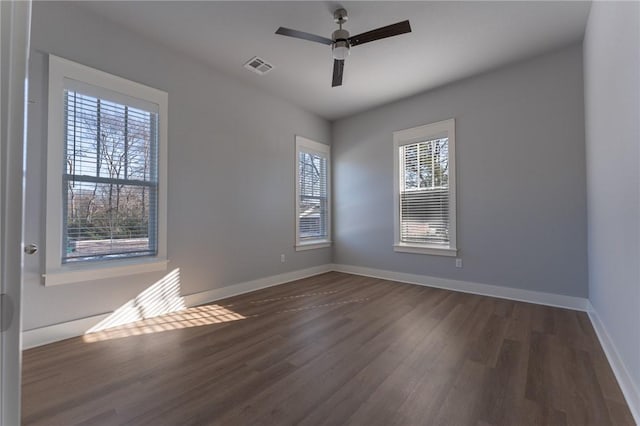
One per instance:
[(258, 65)]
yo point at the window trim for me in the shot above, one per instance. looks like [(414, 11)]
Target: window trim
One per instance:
[(420, 134), (55, 271), (307, 145)]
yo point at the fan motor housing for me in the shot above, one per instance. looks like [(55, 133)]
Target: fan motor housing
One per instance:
[(340, 35)]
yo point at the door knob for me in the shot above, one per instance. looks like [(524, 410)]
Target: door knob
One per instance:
[(31, 248)]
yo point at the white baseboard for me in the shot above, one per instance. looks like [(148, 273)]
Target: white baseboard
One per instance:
[(64, 330), (629, 388), (540, 298), (53, 333), (248, 286)]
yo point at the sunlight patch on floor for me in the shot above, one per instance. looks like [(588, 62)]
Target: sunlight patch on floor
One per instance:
[(192, 317)]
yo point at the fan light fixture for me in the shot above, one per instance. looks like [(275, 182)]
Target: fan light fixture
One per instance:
[(340, 50)]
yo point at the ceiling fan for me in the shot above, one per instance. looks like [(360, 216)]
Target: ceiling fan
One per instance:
[(341, 43)]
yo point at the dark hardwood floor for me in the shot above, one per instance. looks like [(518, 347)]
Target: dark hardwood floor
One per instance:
[(332, 349)]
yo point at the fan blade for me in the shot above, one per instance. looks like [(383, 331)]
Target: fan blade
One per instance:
[(380, 33), (338, 69), (305, 36)]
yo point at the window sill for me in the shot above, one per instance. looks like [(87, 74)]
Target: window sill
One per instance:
[(69, 274), (313, 245), (425, 249)]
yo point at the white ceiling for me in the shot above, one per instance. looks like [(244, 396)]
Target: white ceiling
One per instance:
[(449, 41)]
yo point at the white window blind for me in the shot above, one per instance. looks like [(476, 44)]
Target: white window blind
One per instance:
[(312, 193), (424, 192), (110, 177), (313, 196)]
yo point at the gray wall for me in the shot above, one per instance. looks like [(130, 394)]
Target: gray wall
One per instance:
[(521, 178), (612, 99), (225, 139)]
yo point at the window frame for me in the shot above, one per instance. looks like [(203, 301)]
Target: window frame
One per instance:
[(416, 135), (307, 145), (57, 272)]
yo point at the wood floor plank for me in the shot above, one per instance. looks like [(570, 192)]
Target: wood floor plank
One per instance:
[(337, 363), (466, 391), (428, 370), (502, 384), (332, 349), (411, 331)]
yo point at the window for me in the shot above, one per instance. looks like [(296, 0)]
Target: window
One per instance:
[(425, 197), (313, 201), (106, 203)]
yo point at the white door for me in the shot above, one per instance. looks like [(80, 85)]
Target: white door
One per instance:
[(15, 19)]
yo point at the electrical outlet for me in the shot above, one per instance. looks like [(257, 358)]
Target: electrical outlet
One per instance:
[(458, 263), (282, 258)]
